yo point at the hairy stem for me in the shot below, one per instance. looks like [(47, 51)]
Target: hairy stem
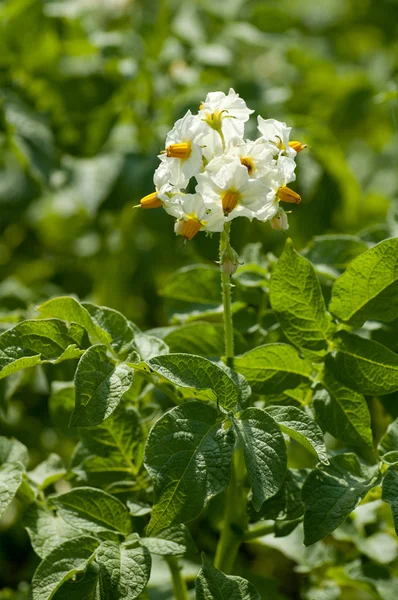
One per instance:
[(226, 298), (179, 586)]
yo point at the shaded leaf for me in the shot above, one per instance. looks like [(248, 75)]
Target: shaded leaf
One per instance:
[(212, 584), (100, 385), (124, 571), (46, 529), (273, 368), (196, 283), (365, 365), (62, 563), (188, 455), (332, 492), (369, 287), (300, 427), (265, 453), (196, 372), (93, 510), (297, 300)]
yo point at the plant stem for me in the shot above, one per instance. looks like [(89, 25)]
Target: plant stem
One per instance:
[(258, 530), (179, 587), (235, 516), (226, 298)]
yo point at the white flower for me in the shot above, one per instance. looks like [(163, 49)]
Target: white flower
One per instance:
[(278, 181), (228, 113), (193, 215), (256, 156), (226, 183), (277, 133), (182, 158)]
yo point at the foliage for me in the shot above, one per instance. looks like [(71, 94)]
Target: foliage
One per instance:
[(127, 446)]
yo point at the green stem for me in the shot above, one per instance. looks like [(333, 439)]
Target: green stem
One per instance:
[(235, 519), (179, 585), (226, 298), (258, 530)]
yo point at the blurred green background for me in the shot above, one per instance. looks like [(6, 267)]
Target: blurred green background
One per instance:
[(88, 91)]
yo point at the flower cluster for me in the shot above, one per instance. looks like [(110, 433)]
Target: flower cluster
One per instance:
[(229, 176)]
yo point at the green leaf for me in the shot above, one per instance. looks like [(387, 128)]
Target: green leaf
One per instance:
[(61, 564), (34, 342), (118, 434), (342, 411), (390, 492), (297, 300), (172, 541), (10, 480), (124, 571), (332, 492), (388, 445), (300, 427), (93, 510), (113, 323), (265, 453), (203, 339), (196, 283), (365, 365), (83, 587), (273, 368), (48, 472), (212, 584), (100, 385), (149, 346), (286, 504), (46, 529), (369, 287), (334, 250), (13, 458), (188, 455), (189, 371), (69, 309), (11, 450)]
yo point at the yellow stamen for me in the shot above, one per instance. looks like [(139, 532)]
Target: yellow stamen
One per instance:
[(189, 228), (297, 146), (201, 105), (151, 201), (182, 150), (287, 195), (248, 163), (229, 201)]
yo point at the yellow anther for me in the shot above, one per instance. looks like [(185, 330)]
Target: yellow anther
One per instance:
[(287, 195), (297, 146), (182, 150), (248, 163), (151, 201), (229, 201), (189, 228)]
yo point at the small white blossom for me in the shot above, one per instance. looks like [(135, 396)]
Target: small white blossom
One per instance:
[(182, 158), (226, 183), (228, 112), (280, 221), (277, 133), (256, 156), (193, 215)]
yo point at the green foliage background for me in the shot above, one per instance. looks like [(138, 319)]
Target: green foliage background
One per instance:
[(88, 90)]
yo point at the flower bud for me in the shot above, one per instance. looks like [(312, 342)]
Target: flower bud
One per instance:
[(280, 221), (229, 262)]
